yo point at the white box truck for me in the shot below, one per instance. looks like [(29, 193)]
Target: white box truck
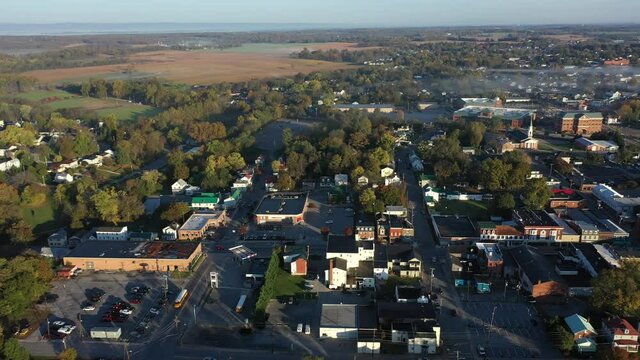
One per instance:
[(109, 333)]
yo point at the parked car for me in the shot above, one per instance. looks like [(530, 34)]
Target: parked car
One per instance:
[(89, 307), (299, 329), (307, 329), (481, 351), (154, 311), (67, 329), (329, 222), (126, 311)]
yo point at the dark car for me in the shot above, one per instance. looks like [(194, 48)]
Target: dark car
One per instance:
[(453, 312)]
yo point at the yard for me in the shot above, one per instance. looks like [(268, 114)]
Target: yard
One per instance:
[(42, 217), (475, 210), (287, 284)]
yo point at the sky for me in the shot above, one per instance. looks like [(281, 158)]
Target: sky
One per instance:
[(383, 13)]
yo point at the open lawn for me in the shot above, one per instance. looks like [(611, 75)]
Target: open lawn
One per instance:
[(251, 61), (42, 218), (475, 210), (287, 284), (59, 99)]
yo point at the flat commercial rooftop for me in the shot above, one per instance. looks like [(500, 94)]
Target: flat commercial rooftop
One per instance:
[(131, 249), (455, 226), (282, 204), (339, 316), (199, 220)]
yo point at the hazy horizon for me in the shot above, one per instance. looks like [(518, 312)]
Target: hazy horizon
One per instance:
[(326, 14)]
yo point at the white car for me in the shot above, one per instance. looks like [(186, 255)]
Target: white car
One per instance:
[(307, 329), (67, 329), (59, 323), (299, 328), (88, 308), (154, 311), (126, 311), (329, 222)]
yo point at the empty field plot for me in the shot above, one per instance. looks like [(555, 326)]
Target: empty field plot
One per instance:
[(252, 61)]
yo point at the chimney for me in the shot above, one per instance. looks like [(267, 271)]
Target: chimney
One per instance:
[(330, 271)]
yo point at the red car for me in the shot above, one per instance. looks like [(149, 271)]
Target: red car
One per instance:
[(219, 248), (135, 301)]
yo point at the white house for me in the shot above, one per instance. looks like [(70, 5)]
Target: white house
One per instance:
[(119, 233), (8, 165), (363, 180), (336, 275), (179, 186), (8, 152), (386, 172), (62, 178), (395, 179), (58, 239), (93, 160), (431, 196), (341, 179), (170, 232)]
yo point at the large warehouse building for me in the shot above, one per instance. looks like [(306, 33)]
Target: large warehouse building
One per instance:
[(134, 256)]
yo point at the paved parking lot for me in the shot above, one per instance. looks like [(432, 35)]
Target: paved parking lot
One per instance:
[(517, 332), (75, 293), (321, 214)]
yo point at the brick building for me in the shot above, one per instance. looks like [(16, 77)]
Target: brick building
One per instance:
[(580, 123), (116, 255)]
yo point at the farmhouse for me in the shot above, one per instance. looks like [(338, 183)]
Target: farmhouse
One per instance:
[(134, 256)]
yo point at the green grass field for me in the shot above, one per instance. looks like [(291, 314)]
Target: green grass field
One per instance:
[(40, 95), (287, 284), (42, 218), (475, 210), (58, 99), (269, 48)]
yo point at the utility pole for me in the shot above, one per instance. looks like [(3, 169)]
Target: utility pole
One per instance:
[(195, 318), (505, 290), (493, 313)]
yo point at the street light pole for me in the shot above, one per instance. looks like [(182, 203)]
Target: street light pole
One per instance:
[(505, 290), (431, 282)]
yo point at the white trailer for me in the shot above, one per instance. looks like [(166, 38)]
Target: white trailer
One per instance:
[(111, 333)]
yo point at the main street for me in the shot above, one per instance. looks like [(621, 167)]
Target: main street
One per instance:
[(456, 337)]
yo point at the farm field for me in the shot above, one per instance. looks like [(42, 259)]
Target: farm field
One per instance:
[(247, 62), (59, 99)]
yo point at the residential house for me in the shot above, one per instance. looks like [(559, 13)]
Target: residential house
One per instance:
[(93, 160), (427, 180), (58, 239), (10, 164), (432, 196), (621, 334), (395, 179), (326, 182), (170, 232), (380, 263), (192, 190), (402, 261), (343, 247), (179, 186), (108, 233), (232, 200), (63, 178), (583, 333), (362, 181), (386, 172), (341, 179), (297, 259), (336, 275)]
